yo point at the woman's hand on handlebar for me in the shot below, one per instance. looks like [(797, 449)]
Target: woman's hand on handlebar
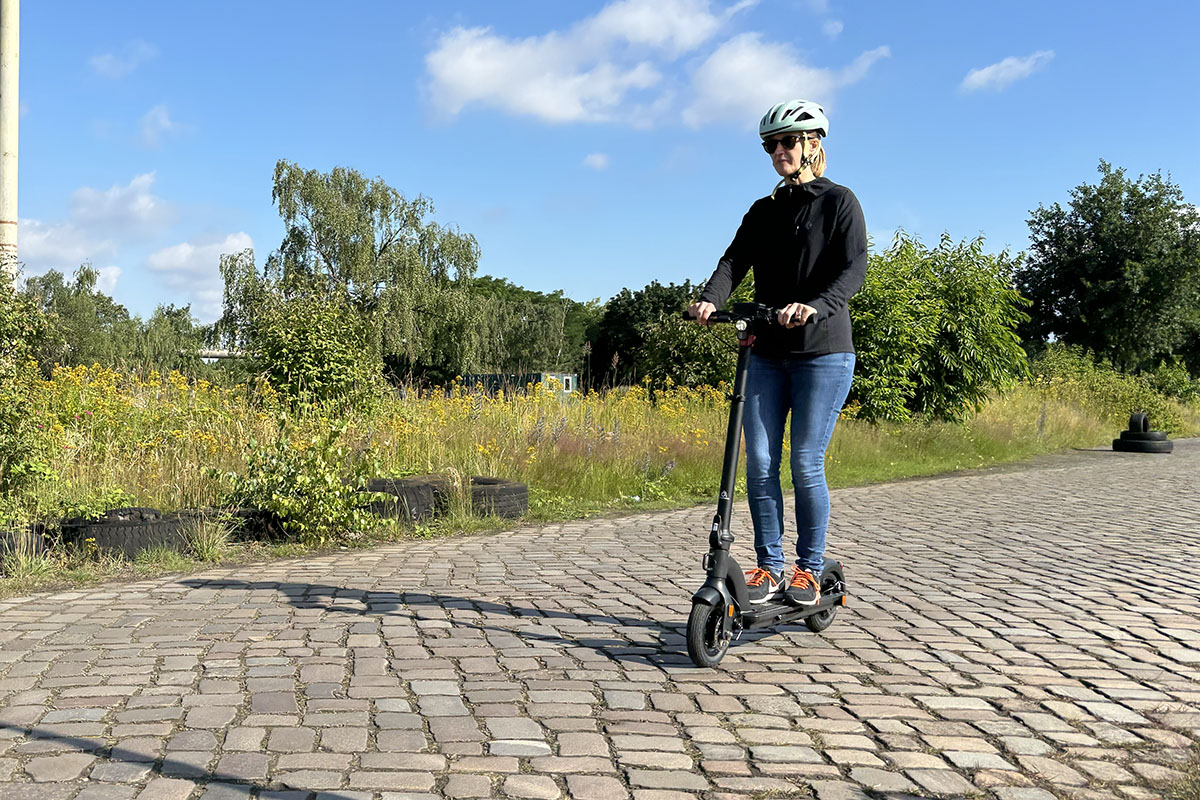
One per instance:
[(701, 311), (794, 315)]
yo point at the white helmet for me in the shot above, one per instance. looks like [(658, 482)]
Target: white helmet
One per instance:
[(794, 116)]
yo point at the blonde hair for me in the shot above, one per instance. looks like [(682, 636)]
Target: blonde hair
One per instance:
[(818, 164)]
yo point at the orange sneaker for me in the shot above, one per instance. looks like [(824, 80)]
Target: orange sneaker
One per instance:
[(803, 589), (763, 585)]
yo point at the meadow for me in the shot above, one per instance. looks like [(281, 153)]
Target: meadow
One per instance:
[(167, 442)]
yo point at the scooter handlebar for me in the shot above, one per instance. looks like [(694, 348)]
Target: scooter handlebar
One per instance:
[(758, 312)]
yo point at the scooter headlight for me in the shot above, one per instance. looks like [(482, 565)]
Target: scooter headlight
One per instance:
[(741, 325)]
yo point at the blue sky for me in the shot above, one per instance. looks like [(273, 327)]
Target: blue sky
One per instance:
[(589, 146)]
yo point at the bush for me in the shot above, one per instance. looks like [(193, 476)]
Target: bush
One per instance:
[(309, 481), (1069, 373), (313, 348), (935, 331), (1172, 379), (22, 459)]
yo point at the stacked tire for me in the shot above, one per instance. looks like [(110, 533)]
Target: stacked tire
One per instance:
[(499, 496), (1140, 439)]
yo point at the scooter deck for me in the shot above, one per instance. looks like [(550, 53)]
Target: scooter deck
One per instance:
[(775, 612)]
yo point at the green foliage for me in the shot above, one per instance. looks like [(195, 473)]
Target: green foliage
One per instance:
[(22, 456), (1118, 272), (619, 339), (313, 347), (87, 502), (1172, 379), (398, 280), (686, 354), (519, 330), (934, 330), (83, 324), (689, 355), (171, 340), (1068, 373), (207, 537), (308, 480)]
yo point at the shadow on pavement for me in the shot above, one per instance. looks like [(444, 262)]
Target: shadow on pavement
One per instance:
[(234, 786), (669, 650)]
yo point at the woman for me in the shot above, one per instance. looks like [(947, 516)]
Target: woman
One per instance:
[(807, 245)]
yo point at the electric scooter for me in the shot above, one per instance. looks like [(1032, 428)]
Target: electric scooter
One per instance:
[(721, 608)]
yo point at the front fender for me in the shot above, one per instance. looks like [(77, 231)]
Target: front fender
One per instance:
[(710, 596)]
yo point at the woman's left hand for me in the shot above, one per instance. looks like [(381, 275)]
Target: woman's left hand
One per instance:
[(794, 315)]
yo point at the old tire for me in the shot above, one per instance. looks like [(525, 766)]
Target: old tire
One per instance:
[(1147, 436), (1139, 422), (707, 634), (125, 530), (1136, 446), (28, 541), (417, 498), (499, 496)]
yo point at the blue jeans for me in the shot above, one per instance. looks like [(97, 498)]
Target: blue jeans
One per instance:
[(812, 389)]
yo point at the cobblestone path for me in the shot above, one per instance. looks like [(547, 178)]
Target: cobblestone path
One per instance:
[(1022, 634)]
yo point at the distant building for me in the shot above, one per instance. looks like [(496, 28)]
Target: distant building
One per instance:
[(492, 382)]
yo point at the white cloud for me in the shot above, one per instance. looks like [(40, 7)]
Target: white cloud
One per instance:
[(585, 73), (130, 209), (596, 160), (62, 246), (193, 269), (120, 64), (155, 124), (107, 279), (1000, 75), (745, 75), (833, 28)]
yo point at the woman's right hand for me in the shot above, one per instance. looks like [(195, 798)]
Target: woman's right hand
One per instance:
[(701, 311)]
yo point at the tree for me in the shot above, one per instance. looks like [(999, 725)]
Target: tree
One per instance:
[(935, 330), (1118, 272), (619, 337), (357, 245), (691, 355), (83, 324), (518, 329), (171, 340)]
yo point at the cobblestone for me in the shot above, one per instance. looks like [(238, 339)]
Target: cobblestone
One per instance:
[(984, 652)]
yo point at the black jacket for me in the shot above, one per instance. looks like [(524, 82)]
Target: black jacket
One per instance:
[(808, 245)]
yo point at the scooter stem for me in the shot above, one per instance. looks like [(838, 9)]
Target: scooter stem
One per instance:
[(733, 442)]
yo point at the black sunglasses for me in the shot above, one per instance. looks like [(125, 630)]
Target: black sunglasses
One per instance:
[(788, 142)]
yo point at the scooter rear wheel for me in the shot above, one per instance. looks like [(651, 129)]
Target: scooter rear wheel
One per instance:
[(823, 619), (707, 634)]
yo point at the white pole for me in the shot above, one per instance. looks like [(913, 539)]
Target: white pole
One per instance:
[(10, 112)]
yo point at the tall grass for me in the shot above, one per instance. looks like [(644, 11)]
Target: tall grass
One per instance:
[(166, 442)]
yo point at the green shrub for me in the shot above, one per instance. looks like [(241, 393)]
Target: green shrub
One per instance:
[(1069, 373), (1172, 379), (22, 456), (308, 480), (935, 331), (312, 347)]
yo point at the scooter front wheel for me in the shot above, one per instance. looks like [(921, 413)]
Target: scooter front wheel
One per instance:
[(708, 634)]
